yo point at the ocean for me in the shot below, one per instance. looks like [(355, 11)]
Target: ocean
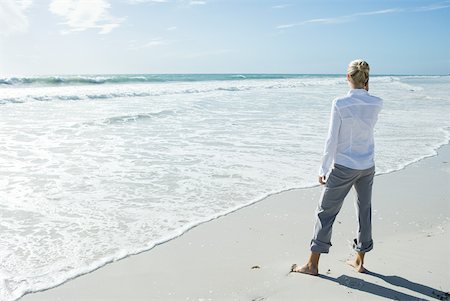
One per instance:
[(94, 168)]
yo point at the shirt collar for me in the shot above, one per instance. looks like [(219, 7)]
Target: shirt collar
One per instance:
[(357, 91)]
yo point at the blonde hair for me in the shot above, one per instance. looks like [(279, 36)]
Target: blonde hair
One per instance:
[(359, 72)]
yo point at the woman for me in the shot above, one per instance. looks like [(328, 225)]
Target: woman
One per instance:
[(349, 151)]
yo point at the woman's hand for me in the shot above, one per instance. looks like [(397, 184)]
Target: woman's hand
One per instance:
[(322, 179)]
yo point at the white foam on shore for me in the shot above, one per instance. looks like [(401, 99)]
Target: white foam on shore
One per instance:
[(91, 182)]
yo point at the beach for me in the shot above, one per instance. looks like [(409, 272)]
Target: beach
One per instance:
[(247, 254), (100, 168)]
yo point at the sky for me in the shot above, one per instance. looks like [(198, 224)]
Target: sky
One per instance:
[(48, 37)]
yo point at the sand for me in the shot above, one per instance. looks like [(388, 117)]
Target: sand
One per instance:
[(247, 254)]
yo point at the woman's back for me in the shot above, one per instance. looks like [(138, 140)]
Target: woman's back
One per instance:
[(358, 112)]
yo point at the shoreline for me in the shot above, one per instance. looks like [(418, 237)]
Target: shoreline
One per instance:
[(309, 195)]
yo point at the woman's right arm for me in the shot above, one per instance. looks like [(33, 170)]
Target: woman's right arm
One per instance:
[(330, 143)]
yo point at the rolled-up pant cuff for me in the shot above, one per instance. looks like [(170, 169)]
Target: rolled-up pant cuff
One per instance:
[(362, 246), (318, 246)]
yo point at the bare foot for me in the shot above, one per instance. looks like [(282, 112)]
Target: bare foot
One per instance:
[(357, 265), (306, 269)]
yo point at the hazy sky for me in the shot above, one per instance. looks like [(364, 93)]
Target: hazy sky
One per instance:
[(222, 36)]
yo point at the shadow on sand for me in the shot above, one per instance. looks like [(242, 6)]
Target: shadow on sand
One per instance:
[(375, 289), (412, 286)]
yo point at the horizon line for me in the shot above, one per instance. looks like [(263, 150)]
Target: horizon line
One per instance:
[(214, 73)]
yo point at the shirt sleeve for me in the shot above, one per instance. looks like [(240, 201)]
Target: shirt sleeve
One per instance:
[(331, 142)]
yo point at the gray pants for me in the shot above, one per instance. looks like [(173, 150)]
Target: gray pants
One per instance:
[(338, 185)]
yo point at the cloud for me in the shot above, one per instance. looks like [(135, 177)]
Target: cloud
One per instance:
[(337, 20), (12, 16), (349, 18), (171, 28), (434, 6), (80, 15), (378, 12), (24, 4), (280, 6), (156, 42), (197, 2)]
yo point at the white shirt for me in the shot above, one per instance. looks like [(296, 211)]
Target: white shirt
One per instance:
[(350, 135)]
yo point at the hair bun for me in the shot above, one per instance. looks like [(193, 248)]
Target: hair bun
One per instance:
[(363, 66), (359, 71)]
